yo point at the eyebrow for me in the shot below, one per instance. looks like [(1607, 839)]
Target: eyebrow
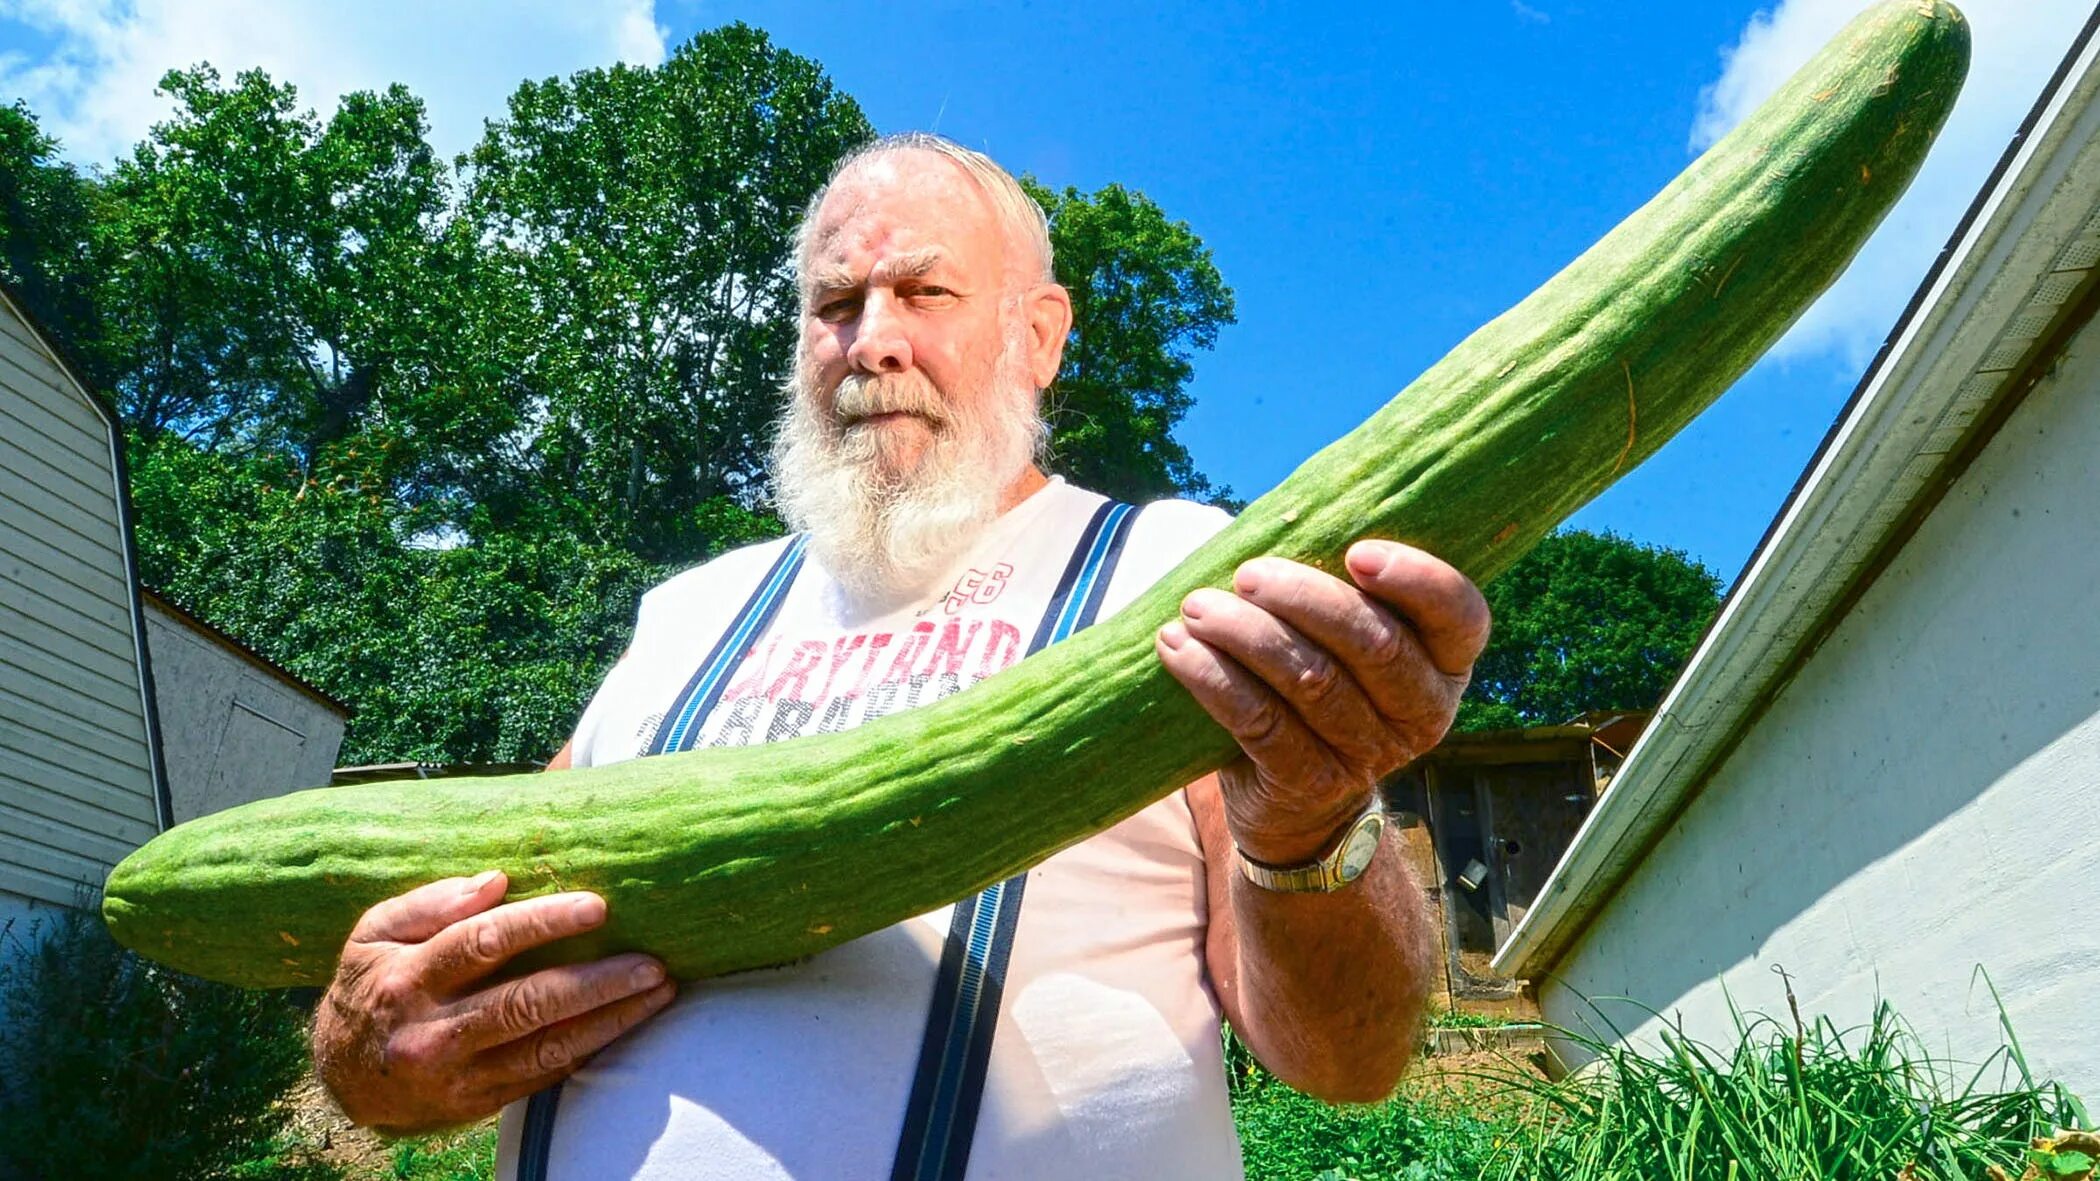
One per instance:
[(909, 266)]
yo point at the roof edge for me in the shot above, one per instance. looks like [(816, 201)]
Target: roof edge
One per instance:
[(1910, 425), (247, 654)]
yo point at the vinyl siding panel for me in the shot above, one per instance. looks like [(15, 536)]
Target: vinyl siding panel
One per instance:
[(51, 513), (67, 682), (32, 726), (19, 371), (29, 633), (24, 773), (76, 777)]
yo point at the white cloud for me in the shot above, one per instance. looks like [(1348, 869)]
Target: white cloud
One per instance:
[(94, 89), (2017, 44)]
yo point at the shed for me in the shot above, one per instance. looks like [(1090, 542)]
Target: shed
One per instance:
[(1483, 817), (235, 726), (1878, 771)]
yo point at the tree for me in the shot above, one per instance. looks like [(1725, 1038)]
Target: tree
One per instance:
[(270, 281), (47, 220), (642, 221), (481, 651), (424, 443), (1145, 297), (1587, 621)]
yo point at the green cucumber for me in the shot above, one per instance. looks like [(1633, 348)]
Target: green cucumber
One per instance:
[(731, 859)]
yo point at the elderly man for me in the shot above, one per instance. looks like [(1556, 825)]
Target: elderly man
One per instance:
[(1075, 1036)]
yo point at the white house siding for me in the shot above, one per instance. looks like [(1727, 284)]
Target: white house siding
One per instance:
[(1921, 801), (76, 779), (230, 730)]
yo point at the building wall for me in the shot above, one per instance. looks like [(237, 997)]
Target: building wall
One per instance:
[(1919, 802), (230, 731), (76, 779)]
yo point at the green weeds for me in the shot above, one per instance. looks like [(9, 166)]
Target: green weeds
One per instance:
[(1788, 1102)]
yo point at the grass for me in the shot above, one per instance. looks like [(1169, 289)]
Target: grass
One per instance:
[(1789, 1101), (117, 1069), (1461, 1019), (458, 1156)]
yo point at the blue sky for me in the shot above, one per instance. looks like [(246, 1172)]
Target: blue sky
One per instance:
[(1374, 183)]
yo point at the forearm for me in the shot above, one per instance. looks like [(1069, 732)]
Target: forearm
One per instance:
[(1331, 987)]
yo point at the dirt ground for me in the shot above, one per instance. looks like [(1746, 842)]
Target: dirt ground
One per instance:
[(362, 1153)]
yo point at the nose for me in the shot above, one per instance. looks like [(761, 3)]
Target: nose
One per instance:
[(880, 344)]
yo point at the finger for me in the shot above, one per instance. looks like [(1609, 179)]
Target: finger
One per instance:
[(424, 911), (475, 947), (1387, 660), (1442, 605), (517, 1069), (1256, 717), (1318, 687), (515, 1008)]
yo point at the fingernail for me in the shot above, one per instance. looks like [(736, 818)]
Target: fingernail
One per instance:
[(1246, 581), (1370, 557), (647, 976), (1192, 607), (589, 910), (475, 883), (1172, 635)]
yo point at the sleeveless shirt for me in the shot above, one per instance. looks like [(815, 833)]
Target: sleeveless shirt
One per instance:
[(1105, 1061)]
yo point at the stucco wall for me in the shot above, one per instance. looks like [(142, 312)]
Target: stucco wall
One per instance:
[(230, 731), (1922, 800)]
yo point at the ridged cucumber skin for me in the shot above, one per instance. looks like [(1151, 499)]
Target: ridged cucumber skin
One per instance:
[(724, 860)]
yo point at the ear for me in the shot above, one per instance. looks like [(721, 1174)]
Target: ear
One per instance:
[(1048, 308)]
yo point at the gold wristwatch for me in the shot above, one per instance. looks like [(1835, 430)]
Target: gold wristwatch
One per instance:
[(1340, 865)]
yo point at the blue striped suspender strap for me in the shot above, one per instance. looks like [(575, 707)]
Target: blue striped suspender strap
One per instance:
[(678, 731), (952, 1060), (681, 724), (940, 1119)]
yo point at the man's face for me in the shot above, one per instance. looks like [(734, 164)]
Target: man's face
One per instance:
[(902, 326)]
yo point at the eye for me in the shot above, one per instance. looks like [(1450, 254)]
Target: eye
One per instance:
[(838, 308)]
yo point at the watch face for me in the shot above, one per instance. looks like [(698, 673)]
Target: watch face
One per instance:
[(1361, 845)]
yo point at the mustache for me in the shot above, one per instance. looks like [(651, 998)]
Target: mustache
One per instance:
[(862, 397)]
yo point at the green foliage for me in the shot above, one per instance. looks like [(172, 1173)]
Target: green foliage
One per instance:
[(1145, 297), (47, 219), (1788, 1101), (268, 278), (113, 1068), (1586, 621), (460, 1156), (639, 222), (1461, 1019), (1286, 1136), (422, 435), (481, 651)]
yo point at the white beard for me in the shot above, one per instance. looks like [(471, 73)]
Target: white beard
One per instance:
[(886, 535)]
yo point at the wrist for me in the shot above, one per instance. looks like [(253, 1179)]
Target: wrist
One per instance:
[(1302, 834)]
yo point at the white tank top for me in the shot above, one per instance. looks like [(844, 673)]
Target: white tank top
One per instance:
[(1105, 1061)]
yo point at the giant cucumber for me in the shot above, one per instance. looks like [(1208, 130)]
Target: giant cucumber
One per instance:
[(721, 860)]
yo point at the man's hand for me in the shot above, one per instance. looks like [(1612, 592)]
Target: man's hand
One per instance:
[(1328, 687), (409, 1039)]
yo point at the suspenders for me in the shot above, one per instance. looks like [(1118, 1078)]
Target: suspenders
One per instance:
[(947, 1088), (949, 1085), (681, 722)]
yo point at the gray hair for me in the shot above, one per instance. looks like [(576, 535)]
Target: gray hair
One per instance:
[(1019, 216)]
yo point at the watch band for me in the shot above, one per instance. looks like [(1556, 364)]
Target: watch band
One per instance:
[(1342, 863)]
